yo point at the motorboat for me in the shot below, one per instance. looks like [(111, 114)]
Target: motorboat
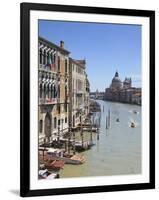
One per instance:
[(132, 125), (135, 112)]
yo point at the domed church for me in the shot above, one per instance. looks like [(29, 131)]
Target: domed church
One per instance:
[(116, 82), (120, 91)]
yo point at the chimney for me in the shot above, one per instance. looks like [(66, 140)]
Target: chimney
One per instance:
[(62, 44)]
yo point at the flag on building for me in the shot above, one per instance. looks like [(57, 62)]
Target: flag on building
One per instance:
[(51, 62)]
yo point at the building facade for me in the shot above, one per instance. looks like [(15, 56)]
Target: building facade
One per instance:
[(122, 91), (79, 92), (53, 90), (63, 91)]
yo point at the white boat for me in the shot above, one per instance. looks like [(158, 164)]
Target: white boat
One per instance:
[(45, 174), (89, 129)]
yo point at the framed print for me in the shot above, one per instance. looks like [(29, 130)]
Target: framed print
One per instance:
[(87, 99)]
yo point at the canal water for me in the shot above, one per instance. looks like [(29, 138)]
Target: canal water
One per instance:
[(118, 150)]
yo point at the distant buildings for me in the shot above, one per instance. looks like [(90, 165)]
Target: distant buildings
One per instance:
[(97, 95), (123, 91), (63, 87)]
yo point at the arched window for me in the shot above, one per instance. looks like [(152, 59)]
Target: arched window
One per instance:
[(65, 119), (65, 106), (66, 92), (58, 92), (44, 57), (58, 63), (41, 126), (54, 92), (58, 108), (40, 90), (40, 59), (45, 91), (55, 122), (50, 91), (48, 125)]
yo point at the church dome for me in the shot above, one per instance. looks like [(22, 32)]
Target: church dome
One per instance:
[(116, 82)]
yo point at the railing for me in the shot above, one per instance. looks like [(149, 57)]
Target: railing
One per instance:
[(48, 101), (47, 68)]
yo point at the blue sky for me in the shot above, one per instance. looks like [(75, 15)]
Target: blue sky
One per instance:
[(106, 48)]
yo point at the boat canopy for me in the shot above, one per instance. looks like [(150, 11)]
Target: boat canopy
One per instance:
[(42, 172), (52, 150)]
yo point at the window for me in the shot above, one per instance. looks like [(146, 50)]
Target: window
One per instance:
[(40, 91), (44, 57), (58, 108), (58, 122), (73, 87), (65, 65), (47, 60), (65, 119), (58, 91), (40, 56), (55, 122), (41, 126), (54, 91), (53, 58), (58, 63), (45, 91), (66, 92), (65, 107)]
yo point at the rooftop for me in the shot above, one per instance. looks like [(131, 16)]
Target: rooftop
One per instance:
[(52, 45)]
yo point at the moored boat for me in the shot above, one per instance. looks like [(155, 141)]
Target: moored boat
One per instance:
[(45, 174), (59, 154), (79, 146), (54, 164), (89, 129)]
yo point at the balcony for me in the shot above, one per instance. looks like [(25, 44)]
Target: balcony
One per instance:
[(47, 101), (45, 68), (79, 93)]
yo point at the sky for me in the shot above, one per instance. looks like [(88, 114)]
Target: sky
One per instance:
[(107, 48)]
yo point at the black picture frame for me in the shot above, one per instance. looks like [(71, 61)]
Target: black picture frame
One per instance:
[(25, 9)]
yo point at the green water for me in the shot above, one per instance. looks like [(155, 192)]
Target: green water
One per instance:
[(118, 150)]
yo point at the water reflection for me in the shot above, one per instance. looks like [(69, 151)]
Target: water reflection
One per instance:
[(118, 150)]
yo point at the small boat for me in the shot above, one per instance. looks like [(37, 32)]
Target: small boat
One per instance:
[(54, 164), (94, 129), (83, 147), (135, 112), (117, 120), (45, 174), (132, 125)]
